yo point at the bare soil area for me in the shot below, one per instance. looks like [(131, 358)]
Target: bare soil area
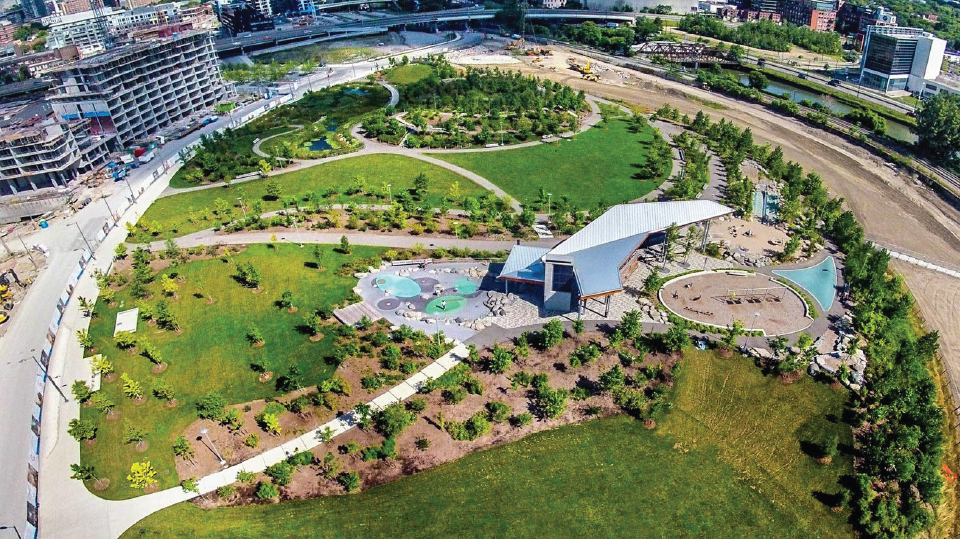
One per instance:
[(748, 237), (310, 482)]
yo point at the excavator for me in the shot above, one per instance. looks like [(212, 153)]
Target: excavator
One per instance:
[(581, 68), (5, 296), (518, 44)]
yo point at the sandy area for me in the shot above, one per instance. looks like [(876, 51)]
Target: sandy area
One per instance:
[(762, 239), (893, 208), (721, 298)]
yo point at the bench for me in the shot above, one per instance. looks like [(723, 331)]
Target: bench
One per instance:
[(411, 262)]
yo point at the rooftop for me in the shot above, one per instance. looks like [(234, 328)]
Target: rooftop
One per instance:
[(597, 251)]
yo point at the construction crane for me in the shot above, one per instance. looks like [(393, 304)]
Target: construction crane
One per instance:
[(96, 6)]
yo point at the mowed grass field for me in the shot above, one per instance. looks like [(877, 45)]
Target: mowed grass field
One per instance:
[(409, 74), (603, 479), (212, 353), (174, 212), (598, 165)]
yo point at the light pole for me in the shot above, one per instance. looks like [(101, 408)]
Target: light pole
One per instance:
[(203, 433), (30, 255), (127, 181), (84, 239), (47, 376), (390, 193), (756, 318), (242, 210), (549, 195), (296, 228), (115, 217), (14, 527)]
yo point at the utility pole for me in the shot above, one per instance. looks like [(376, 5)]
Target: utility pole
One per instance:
[(115, 217)]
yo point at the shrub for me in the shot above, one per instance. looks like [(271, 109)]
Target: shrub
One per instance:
[(349, 480), (225, 492), (392, 420), (580, 393), (301, 459), (82, 430), (500, 360), (281, 473), (245, 477), (422, 443), (584, 355), (211, 406), (454, 395), (252, 440), (498, 411), (475, 427), (612, 378), (473, 386), (417, 405), (267, 491), (522, 419), (551, 402), (81, 390)]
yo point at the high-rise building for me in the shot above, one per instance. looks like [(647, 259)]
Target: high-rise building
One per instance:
[(81, 29), (897, 58), (136, 89), (819, 15), (242, 17), (69, 7), (38, 151), (264, 7), (34, 9)]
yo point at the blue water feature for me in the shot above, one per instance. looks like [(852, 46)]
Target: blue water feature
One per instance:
[(400, 287), (320, 145), (465, 286), (773, 204), (820, 281), (355, 92)]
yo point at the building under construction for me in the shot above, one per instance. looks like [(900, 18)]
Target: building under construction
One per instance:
[(135, 90)]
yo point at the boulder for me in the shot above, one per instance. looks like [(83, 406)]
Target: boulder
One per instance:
[(361, 275)]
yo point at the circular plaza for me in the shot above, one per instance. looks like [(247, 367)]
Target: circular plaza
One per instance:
[(720, 297)]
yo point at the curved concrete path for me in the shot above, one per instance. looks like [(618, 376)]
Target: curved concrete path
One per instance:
[(261, 153)]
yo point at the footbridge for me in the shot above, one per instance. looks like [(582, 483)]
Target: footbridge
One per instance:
[(684, 53)]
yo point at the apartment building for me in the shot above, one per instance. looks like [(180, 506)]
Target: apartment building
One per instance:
[(137, 89), (243, 17), (81, 29), (7, 29), (69, 7), (819, 15), (38, 151)]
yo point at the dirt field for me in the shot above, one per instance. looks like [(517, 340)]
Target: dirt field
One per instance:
[(893, 208), (719, 299)]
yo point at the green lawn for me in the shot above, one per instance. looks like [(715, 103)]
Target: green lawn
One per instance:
[(597, 166), (409, 74), (174, 213), (317, 53), (691, 477), (212, 353)]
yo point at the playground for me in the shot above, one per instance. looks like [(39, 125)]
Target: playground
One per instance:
[(448, 297), (721, 297)]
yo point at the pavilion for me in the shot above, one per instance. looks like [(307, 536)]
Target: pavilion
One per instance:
[(596, 260)]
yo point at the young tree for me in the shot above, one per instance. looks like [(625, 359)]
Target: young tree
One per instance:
[(190, 485), (168, 286), (500, 360), (274, 190), (81, 391), (578, 326), (393, 420), (82, 430), (676, 338), (267, 491), (163, 390), (83, 337), (286, 299), (349, 480), (131, 388), (733, 332), (182, 448), (120, 252), (265, 168), (142, 475), (345, 245), (82, 472), (653, 282), (132, 433), (420, 186)]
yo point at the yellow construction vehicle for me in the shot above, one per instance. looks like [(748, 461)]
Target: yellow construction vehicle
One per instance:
[(577, 66), (591, 77), (5, 293), (518, 44)]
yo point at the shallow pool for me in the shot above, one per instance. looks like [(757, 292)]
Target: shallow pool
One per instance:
[(465, 286), (320, 145), (820, 281), (445, 305), (401, 287)]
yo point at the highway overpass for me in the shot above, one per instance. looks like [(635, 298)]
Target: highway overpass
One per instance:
[(273, 38)]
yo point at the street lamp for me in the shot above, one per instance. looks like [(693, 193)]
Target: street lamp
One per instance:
[(115, 217), (85, 241), (390, 193), (756, 318), (134, 195), (48, 377), (296, 228), (548, 201), (14, 527), (242, 210), (30, 255), (203, 432)]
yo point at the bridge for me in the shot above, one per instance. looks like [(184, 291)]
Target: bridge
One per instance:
[(684, 53), (273, 38)]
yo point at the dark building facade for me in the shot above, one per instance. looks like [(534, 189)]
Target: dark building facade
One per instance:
[(242, 17), (819, 15)]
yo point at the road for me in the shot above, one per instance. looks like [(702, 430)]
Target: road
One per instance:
[(67, 509)]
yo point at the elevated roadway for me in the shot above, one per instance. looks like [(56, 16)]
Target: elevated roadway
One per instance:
[(273, 38)]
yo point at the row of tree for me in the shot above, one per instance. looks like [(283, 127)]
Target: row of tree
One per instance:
[(763, 34)]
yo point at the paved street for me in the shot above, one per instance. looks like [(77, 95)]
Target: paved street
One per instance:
[(68, 509)]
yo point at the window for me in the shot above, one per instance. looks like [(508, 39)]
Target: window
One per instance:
[(562, 278)]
